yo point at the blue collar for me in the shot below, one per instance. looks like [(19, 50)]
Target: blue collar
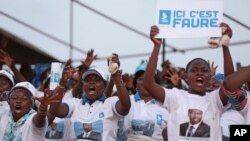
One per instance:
[(138, 98), (86, 100)]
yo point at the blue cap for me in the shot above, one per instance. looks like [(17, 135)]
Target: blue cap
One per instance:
[(40, 68), (141, 67), (219, 76)]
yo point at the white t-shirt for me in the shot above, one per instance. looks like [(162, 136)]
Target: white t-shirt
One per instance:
[(26, 132), (3, 107), (100, 117), (230, 117), (246, 110), (178, 102), (147, 119)]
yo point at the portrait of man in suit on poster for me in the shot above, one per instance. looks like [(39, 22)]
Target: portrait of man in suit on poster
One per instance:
[(89, 134), (53, 133), (195, 127)]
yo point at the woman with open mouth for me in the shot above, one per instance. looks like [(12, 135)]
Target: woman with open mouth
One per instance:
[(179, 102), (21, 122), (94, 117)]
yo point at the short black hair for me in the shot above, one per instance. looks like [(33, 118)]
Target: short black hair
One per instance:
[(140, 73), (195, 59)]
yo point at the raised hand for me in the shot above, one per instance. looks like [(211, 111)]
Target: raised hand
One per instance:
[(90, 58), (5, 58), (227, 34), (212, 68), (226, 30), (173, 77), (51, 96), (68, 73), (113, 63), (224, 40), (153, 32)]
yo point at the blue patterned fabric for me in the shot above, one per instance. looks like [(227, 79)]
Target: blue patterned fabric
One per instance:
[(10, 132)]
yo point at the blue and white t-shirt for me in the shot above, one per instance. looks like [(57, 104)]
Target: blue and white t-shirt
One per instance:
[(26, 131), (145, 119), (97, 121)]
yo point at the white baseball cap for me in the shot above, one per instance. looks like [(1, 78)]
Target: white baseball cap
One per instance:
[(27, 86), (97, 71), (8, 76)]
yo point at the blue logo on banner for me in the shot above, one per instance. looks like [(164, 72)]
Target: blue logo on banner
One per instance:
[(188, 19), (55, 77), (164, 17)]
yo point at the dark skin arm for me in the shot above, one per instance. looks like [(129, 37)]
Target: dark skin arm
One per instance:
[(85, 65), (57, 97), (149, 83), (228, 62), (48, 98), (57, 104), (6, 59), (40, 118), (235, 80), (109, 89), (123, 104)]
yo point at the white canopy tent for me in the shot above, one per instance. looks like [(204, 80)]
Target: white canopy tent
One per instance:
[(68, 29)]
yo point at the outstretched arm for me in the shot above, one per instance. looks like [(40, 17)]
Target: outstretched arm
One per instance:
[(123, 104), (49, 97), (235, 80), (227, 33), (228, 62), (232, 87), (77, 88), (9, 61), (149, 80)]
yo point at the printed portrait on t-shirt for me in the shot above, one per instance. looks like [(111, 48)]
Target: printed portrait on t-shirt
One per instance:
[(195, 127), (55, 130), (90, 131), (121, 136), (143, 127)]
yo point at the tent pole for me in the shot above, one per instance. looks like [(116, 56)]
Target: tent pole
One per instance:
[(71, 29)]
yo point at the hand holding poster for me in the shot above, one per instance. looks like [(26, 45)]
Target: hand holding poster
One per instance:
[(189, 18)]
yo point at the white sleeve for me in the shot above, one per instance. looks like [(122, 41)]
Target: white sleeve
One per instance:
[(71, 105), (112, 101), (35, 130), (216, 96), (171, 98)]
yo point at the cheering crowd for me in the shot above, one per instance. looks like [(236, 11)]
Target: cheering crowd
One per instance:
[(171, 104)]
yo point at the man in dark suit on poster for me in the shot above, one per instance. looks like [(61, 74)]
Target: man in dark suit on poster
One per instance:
[(195, 127), (89, 134), (53, 133)]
